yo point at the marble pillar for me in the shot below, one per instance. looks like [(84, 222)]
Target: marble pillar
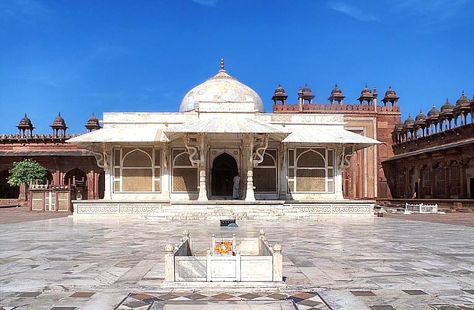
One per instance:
[(169, 263), (166, 174), (202, 185), (283, 166), (250, 193), (202, 168)]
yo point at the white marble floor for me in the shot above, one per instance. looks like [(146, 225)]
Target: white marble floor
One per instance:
[(376, 263)]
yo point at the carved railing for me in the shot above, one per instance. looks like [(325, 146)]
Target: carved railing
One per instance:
[(432, 139), (332, 107), (36, 138)]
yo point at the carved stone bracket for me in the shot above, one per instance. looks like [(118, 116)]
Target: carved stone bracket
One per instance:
[(192, 150), (345, 157), (99, 157), (261, 144), (102, 159)]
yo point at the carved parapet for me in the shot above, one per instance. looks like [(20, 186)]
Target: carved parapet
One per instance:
[(388, 108), (36, 138), (332, 107)]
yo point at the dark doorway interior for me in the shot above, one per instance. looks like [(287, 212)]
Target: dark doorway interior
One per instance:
[(471, 185), (101, 185), (7, 191), (78, 180), (224, 168)]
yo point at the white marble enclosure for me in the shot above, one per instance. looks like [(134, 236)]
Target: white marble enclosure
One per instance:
[(250, 260)]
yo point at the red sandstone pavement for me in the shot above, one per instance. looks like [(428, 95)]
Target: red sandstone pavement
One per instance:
[(21, 214), (464, 219)]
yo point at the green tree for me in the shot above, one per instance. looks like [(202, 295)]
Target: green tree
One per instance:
[(25, 171)]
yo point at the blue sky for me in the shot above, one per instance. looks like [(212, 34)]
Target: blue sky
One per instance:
[(79, 57)]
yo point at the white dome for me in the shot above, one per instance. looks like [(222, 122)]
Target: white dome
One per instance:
[(221, 89)]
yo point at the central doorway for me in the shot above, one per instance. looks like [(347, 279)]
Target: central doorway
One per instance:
[(224, 168)]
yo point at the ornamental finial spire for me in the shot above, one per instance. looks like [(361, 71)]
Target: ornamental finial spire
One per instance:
[(222, 64)]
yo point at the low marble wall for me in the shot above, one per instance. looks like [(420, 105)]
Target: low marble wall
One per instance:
[(110, 207), (256, 268), (339, 208), (190, 268), (225, 210)]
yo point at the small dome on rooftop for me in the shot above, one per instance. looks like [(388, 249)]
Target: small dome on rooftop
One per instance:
[(336, 94), (390, 95), (463, 100), (305, 92), (398, 126), (58, 122), (433, 112), (25, 122), (420, 117), (280, 90), (409, 121), (336, 90), (92, 123), (366, 90), (447, 106), (366, 94)]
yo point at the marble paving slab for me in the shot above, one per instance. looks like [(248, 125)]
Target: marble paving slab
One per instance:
[(43, 263)]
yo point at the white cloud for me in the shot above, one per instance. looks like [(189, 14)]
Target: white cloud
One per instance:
[(352, 11), (27, 11), (206, 2), (431, 11)]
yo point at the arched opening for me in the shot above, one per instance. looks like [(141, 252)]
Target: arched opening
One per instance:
[(137, 171), (426, 182), (454, 180), (311, 171), (185, 175), (224, 168), (265, 174), (49, 177), (78, 179), (7, 191), (440, 175)]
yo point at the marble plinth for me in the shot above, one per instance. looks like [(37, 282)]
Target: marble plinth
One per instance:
[(225, 209)]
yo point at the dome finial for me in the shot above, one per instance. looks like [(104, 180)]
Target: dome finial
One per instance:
[(222, 64)]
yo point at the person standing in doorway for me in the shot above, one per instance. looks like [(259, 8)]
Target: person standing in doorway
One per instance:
[(236, 187)]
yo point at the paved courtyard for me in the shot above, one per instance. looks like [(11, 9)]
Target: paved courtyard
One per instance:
[(117, 263), (21, 214)]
